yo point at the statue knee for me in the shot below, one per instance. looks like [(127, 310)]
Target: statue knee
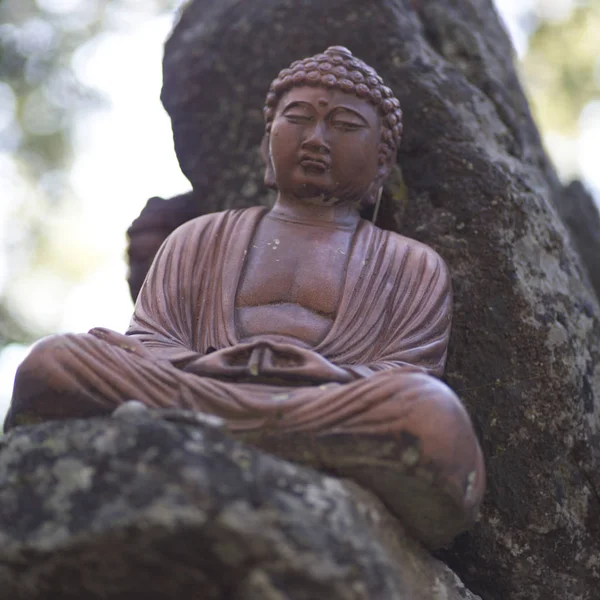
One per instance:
[(55, 381), (42, 369), (445, 433), (439, 404), (433, 413), (42, 358)]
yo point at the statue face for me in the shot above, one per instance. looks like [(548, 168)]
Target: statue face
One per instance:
[(324, 145)]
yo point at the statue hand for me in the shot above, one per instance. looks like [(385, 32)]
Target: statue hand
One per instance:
[(232, 362), (283, 362), (268, 361)]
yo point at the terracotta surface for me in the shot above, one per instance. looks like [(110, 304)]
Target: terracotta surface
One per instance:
[(301, 322)]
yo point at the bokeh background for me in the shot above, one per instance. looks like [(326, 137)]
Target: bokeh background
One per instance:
[(84, 142)]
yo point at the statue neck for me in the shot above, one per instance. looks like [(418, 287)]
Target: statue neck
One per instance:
[(314, 213)]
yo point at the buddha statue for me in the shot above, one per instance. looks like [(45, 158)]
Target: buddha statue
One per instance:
[(310, 331)]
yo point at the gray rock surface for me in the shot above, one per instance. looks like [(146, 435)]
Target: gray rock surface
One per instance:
[(582, 218), (139, 507), (477, 186)]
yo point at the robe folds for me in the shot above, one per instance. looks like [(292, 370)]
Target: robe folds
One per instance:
[(187, 302), (186, 307), (396, 428)]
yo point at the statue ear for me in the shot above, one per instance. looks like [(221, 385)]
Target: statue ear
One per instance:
[(266, 155), (386, 162)]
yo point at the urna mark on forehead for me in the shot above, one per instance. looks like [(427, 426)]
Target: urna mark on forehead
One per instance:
[(329, 103), (337, 68)]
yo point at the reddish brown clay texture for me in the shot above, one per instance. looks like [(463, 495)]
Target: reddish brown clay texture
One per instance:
[(313, 333)]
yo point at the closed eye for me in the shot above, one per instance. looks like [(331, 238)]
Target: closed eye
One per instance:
[(346, 125), (298, 119)]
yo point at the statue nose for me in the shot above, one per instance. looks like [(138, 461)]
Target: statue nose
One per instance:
[(316, 140)]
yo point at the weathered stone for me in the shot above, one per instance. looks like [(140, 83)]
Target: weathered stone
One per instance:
[(476, 186), (140, 507), (157, 220), (582, 218)]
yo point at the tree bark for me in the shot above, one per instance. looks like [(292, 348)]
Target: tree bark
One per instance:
[(477, 186)]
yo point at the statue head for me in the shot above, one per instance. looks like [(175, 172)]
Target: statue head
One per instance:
[(333, 99)]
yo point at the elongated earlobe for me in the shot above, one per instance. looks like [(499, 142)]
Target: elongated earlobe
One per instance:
[(386, 161), (377, 204), (269, 171)]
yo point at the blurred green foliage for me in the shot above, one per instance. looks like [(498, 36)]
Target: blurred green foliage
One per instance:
[(40, 99), (561, 70), (38, 39)]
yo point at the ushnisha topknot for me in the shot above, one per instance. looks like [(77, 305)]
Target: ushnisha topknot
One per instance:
[(338, 68)]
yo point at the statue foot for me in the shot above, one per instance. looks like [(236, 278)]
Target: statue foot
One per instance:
[(434, 499), (429, 502)]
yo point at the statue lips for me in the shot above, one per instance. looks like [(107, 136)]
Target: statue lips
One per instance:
[(314, 164)]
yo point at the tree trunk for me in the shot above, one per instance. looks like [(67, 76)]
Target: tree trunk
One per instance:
[(478, 187)]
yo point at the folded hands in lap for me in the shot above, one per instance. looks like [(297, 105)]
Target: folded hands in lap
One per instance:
[(268, 361)]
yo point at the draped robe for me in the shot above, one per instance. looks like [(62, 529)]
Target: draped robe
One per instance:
[(390, 332), (187, 303)]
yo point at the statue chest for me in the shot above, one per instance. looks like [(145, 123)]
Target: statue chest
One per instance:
[(292, 280)]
